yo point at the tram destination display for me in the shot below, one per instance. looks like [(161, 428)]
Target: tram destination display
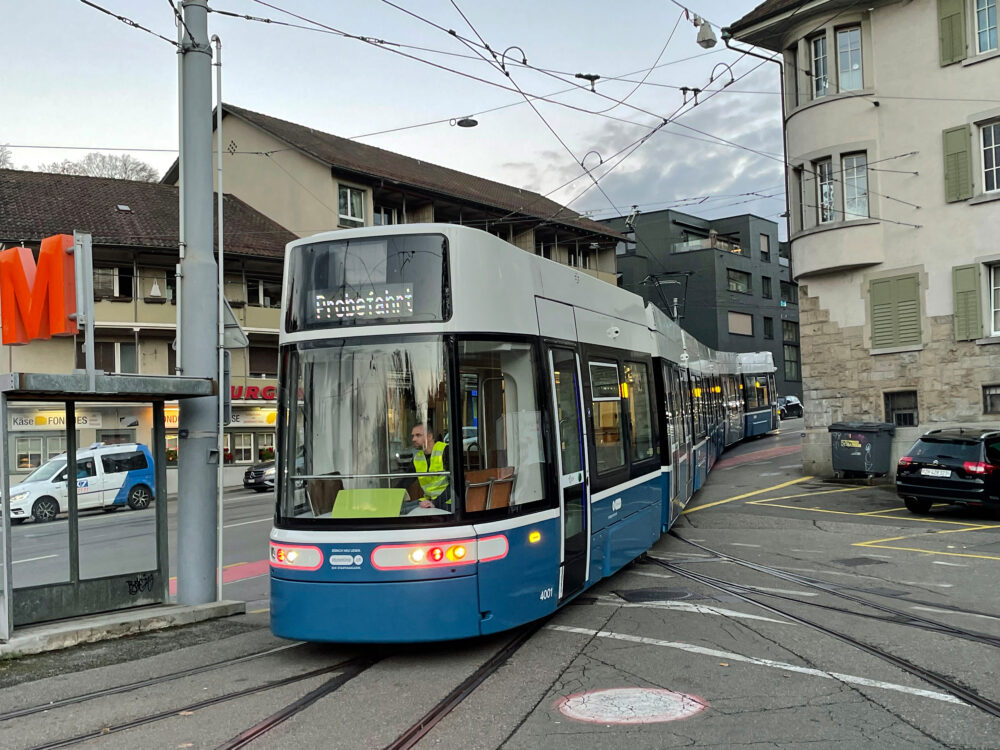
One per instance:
[(368, 281), (387, 301)]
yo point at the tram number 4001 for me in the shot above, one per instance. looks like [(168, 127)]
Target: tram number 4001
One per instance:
[(545, 593)]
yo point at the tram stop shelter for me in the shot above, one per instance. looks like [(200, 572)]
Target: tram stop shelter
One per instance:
[(78, 608)]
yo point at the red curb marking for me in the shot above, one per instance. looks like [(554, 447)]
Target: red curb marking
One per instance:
[(236, 572), (758, 455)]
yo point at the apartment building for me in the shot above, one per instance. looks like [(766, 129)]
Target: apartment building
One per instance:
[(726, 280), (892, 127), (298, 178)]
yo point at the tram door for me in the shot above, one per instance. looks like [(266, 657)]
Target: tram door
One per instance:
[(570, 456)]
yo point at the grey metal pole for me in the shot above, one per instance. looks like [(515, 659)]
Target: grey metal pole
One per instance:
[(198, 460), (7, 591), (72, 495), (220, 492)]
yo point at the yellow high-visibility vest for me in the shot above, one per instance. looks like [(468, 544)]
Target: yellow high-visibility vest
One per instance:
[(432, 486)]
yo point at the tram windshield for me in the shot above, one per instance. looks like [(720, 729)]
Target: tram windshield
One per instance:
[(368, 423)]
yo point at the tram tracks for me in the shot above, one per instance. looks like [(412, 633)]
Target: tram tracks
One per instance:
[(346, 667), (943, 682)]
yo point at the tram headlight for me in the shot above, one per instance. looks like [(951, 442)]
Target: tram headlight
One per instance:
[(417, 555)]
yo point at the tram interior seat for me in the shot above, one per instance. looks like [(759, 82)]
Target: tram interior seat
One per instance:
[(486, 489), (323, 494)]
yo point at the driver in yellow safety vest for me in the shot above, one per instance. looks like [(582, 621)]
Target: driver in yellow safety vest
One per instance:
[(431, 456)]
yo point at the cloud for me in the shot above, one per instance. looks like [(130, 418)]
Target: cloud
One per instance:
[(678, 162)]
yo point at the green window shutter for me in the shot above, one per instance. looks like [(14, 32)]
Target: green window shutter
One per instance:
[(907, 310), (895, 311), (957, 163), (968, 315), (882, 295), (951, 30)]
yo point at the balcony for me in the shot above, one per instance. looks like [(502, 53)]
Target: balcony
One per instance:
[(706, 243)]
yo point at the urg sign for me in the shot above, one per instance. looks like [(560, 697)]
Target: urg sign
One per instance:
[(37, 301)]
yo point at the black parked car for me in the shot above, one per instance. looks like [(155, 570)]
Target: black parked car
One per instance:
[(789, 407), (952, 465)]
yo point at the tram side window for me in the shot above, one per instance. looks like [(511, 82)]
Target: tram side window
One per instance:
[(500, 424), (763, 389), (699, 397), (750, 392), (606, 395), (640, 412)]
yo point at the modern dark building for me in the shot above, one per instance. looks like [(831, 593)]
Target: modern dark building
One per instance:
[(727, 281)]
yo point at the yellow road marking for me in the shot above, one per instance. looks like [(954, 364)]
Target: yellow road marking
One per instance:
[(923, 551), (259, 611), (804, 494), (748, 494)]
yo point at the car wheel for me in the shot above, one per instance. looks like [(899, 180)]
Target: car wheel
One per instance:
[(139, 497), (45, 509), (917, 506)]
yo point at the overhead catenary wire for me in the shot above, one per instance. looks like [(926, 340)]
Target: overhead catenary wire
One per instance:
[(129, 22)]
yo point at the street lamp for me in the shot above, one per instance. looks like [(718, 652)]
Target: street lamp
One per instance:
[(706, 37)]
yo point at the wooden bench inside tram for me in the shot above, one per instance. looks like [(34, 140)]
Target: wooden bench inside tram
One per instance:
[(486, 489)]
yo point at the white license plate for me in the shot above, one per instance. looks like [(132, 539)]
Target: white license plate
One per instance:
[(935, 472)]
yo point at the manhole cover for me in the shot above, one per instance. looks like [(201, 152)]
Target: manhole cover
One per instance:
[(630, 706)]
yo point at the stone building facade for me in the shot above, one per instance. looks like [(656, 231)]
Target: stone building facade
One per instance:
[(893, 176)]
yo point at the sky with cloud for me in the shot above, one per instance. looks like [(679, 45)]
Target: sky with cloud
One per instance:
[(78, 78)]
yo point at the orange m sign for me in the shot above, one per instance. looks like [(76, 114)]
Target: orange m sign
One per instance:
[(36, 302)]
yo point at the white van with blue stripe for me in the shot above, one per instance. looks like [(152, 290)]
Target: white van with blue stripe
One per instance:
[(108, 477)]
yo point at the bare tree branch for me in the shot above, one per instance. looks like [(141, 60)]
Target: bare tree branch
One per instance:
[(95, 164)]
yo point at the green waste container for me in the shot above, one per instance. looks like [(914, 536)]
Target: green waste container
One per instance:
[(861, 448)]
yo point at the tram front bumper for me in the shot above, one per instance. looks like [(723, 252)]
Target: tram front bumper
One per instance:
[(386, 612)]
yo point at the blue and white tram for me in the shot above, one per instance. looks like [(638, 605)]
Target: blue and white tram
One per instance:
[(570, 426)]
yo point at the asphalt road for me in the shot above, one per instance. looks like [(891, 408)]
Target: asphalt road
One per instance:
[(124, 542), (813, 614)]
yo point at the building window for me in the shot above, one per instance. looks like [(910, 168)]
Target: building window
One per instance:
[(765, 248), (765, 287), (824, 191), (991, 156), (986, 25), (991, 399), (901, 408), (113, 282), (855, 175), (352, 206), (110, 356), (849, 59), (27, 453), (265, 446), (242, 449), (895, 312), (789, 293), (738, 281), (383, 216), (740, 324), (820, 74), (793, 366), (769, 328), (789, 331), (263, 361), (263, 292)]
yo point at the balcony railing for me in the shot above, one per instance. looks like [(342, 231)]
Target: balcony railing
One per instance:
[(704, 243)]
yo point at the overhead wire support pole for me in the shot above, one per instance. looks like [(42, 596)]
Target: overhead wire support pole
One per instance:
[(198, 429), (222, 320)]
